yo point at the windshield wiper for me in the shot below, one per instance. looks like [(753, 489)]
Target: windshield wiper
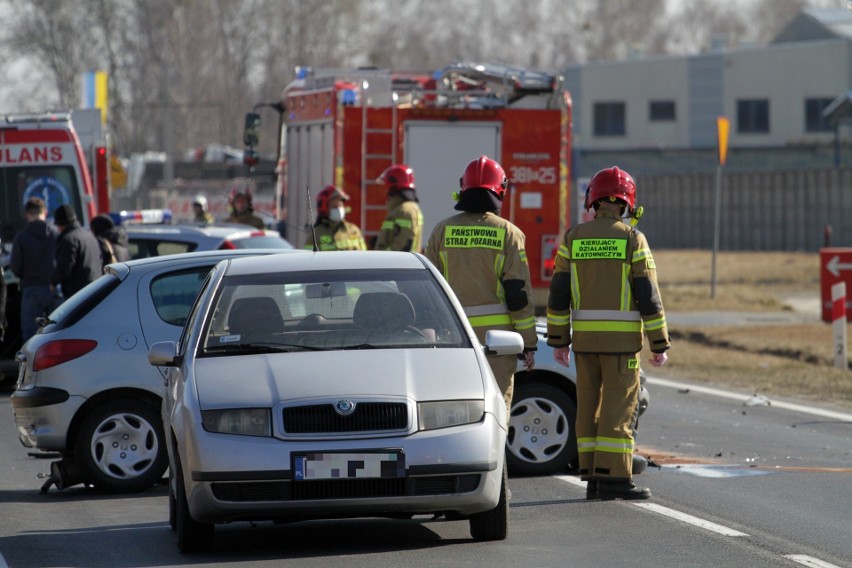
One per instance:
[(262, 348), (362, 346)]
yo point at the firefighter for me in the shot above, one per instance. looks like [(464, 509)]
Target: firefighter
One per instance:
[(242, 211), (331, 229), (603, 295), (202, 213), (482, 257), (403, 225)]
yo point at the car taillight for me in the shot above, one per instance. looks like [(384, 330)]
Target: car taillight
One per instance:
[(58, 352), (227, 245)]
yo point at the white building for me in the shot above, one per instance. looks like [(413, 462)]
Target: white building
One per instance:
[(661, 112)]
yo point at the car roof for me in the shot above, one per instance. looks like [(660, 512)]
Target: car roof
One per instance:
[(190, 258), (223, 230), (328, 260)]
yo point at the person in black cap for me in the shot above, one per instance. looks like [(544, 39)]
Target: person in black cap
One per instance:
[(112, 240), (78, 256)]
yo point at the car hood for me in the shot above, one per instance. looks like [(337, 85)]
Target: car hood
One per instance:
[(258, 380)]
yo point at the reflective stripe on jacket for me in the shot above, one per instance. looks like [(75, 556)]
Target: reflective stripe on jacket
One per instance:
[(403, 226), (604, 292), (477, 253), (340, 236)]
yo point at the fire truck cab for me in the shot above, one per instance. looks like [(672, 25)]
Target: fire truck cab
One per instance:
[(345, 127), (40, 156)]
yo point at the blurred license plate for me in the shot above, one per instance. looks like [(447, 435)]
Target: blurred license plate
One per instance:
[(348, 465)]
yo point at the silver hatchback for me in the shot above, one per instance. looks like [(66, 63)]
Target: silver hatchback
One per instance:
[(85, 389), (333, 384)]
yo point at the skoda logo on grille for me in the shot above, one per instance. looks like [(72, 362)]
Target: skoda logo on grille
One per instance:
[(344, 407)]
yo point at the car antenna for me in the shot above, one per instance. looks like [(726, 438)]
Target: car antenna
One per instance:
[(311, 216)]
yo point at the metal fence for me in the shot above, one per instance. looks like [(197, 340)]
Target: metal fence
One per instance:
[(796, 210)]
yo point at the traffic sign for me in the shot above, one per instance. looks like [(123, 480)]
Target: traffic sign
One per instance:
[(835, 266)]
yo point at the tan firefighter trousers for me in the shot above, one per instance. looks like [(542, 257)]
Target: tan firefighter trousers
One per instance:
[(607, 398)]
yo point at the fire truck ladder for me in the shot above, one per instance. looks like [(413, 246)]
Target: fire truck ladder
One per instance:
[(374, 151)]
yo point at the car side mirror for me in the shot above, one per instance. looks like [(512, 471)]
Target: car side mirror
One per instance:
[(499, 342), (164, 354)]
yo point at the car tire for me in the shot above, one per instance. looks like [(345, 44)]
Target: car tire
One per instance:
[(120, 446), (493, 524), (541, 439), (192, 536)]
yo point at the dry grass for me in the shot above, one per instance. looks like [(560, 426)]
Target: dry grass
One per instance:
[(790, 360)]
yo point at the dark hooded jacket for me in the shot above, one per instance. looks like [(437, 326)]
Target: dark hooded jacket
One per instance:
[(78, 259), (33, 251)]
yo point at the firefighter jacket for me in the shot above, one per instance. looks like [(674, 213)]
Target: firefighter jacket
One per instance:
[(246, 218), (482, 257), (402, 227), (336, 236), (604, 290)]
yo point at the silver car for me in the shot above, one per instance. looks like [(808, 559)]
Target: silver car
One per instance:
[(157, 240), (85, 389), (333, 384)]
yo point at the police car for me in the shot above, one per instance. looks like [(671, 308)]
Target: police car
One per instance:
[(150, 233)]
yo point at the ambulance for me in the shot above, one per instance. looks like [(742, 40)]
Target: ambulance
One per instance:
[(40, 156), (346, 126)]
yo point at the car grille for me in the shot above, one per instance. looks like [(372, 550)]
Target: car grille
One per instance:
[(367, 417), (345, 488)]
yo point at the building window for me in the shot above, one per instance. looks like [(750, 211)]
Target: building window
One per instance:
[(814, 122), (609, 119), (661, 110), (753, 116)]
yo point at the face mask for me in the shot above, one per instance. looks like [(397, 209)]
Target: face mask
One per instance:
[(337, 214)]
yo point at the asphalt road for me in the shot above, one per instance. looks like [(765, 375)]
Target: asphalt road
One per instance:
[(756, 486)]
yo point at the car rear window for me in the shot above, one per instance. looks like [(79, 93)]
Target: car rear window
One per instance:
[(145, 248), (77, 306)]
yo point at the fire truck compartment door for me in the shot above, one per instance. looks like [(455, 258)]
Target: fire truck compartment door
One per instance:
[(438, 152)]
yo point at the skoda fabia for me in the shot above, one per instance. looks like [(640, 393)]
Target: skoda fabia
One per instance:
[(333, 384)]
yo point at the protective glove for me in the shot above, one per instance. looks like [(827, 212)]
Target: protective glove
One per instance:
[(658, 359)]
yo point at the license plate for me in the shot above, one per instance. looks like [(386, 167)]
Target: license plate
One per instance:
[(348, 465)]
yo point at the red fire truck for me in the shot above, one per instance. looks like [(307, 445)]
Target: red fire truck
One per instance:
[(41, 155), (345, 126)]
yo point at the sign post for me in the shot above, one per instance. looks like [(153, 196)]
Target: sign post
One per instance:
[(835, 266), (723, 126), (838, 325)]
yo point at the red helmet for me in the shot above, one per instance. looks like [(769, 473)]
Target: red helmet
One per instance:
[(485, 173), (328, 193), (398, 176), (612, 182)]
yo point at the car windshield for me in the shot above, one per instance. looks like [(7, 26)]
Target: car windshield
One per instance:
[(346, 309)]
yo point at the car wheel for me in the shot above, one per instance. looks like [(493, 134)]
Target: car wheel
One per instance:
[(541, 438), (493, 524), (120, 447), (192, 536)]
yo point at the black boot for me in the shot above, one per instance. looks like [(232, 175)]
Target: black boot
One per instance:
[(592, 489), (621, 489)]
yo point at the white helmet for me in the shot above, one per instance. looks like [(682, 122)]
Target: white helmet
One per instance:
[(200, 200)]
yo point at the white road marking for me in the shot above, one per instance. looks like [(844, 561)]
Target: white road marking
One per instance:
[(696, 521), (844, 417), (809, 561)]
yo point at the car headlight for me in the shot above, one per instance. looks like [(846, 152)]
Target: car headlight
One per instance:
[(448, 413), (241, 421)]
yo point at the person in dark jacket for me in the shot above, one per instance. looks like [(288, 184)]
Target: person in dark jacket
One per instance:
[(78, 255), (112, 240), (32, 261)]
